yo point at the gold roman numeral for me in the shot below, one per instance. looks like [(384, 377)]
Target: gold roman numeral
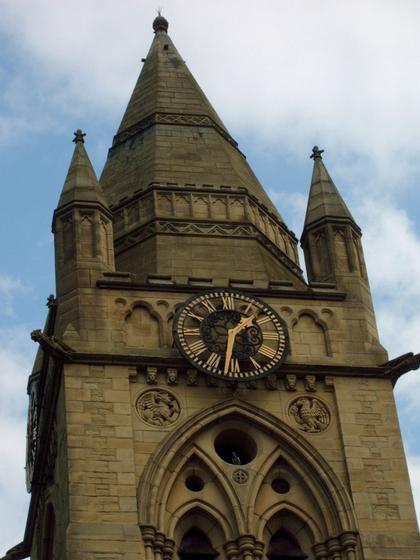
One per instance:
[(213, 360), (192, 332), (247, 309), (234, 366), (228, 302), (264, 319), (255, 363), (198, 347), (194, 316), (208, 305), (271, 335), (267, 351)]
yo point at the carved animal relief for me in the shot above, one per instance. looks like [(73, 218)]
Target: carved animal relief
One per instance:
[(310, 414), (158, 407)]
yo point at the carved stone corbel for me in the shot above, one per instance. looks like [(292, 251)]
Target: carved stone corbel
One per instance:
[(310, 383), (290, 382), (52, 345)]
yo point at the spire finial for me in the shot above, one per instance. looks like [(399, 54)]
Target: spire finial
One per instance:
[(316, 153), (79, 136), (160, 23)]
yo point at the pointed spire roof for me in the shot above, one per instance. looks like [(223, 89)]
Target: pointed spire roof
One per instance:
[(165, 84), (324, 199), (170, 133), (81, 184)]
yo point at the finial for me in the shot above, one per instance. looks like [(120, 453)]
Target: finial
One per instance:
[(316, 153), (160, 23), (79, 136)]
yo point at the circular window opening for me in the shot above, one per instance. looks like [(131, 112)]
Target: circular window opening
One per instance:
[(235, 447), (280, 485), (194, 483)]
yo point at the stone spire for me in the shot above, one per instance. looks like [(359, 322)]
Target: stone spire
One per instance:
[(331, 238), (324, 199), (168, 130), (82, 226), (81, 184)]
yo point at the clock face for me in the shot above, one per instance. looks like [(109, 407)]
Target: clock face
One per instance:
[(32, 434), (231, 335)]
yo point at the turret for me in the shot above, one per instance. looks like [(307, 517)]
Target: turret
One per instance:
[(82, 226), (331, 238)]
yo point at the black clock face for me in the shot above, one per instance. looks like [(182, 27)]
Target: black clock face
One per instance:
[(32, 434), (231, 335)]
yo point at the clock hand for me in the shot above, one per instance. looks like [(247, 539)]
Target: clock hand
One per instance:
[(231, 339), (229, 349), (242, 324)]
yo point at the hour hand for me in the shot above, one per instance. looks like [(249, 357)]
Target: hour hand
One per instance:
[(243, 323)]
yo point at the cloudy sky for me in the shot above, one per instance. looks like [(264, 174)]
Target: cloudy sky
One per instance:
[(283, 75)]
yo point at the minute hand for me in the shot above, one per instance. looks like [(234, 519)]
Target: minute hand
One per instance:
[(231, 339)]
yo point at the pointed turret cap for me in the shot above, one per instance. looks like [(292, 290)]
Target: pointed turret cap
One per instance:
[(170, 133), (81, 184), (324, 199)]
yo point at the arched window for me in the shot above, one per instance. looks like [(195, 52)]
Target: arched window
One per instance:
[(196, 546), (284, 546), (48, 536)]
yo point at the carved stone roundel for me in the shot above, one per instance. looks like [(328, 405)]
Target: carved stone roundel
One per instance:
[(310, 414), (158, 407), (240, 476)]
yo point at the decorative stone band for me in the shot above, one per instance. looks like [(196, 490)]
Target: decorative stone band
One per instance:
[(188, 227), (170, 118)]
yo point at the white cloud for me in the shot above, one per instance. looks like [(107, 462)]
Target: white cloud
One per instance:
[(289, 74), (16, 355), (414, 468), (10, 288)]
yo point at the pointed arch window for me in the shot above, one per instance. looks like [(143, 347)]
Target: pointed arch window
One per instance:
[(283, 546), (195, 545)]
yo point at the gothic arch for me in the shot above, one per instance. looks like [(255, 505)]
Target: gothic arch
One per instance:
[(320, 325), (154, 321), (313, 468), (164, 490), (310, 483), (190, 513)]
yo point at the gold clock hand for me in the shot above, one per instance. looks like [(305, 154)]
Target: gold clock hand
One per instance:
[(231, 339), (242, 324), (229, 349)]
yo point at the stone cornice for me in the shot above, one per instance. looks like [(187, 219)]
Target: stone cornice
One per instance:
[(124, 281), (178, 119), (203, 228)]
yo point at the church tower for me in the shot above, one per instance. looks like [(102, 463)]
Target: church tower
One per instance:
[(193, 396)]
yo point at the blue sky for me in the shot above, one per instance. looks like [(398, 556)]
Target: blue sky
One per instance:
[(283, 76)]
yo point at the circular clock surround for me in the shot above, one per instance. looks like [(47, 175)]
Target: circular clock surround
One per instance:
[(231, 335)]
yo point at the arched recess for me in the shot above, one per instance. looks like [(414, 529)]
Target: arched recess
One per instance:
[(49, 534), (200, 519), (310, 335), (217, 494), (335, 502), (299, 494), (143, 326), (288, 536)]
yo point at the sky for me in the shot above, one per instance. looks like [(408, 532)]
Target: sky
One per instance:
[(283, 75)]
